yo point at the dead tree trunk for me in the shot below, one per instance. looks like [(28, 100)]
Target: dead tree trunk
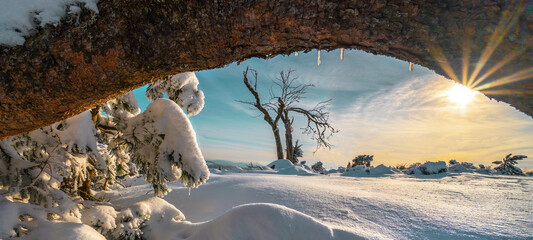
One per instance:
[(288, 136), (257, 104), (90, 58), (279, 147)]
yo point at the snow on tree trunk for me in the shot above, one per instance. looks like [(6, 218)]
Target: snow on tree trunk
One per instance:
[(165, 146)]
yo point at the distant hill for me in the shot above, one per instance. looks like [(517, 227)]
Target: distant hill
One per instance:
[(227, 164)]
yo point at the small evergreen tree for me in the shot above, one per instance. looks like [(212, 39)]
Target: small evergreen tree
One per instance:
[(91, 150), (318, 167), (361, 160), (297, 152), (507, 165)]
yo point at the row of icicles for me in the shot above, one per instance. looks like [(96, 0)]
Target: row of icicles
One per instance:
[(342, 58)]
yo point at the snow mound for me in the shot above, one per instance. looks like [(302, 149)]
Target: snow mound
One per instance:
[(428, 168), (459, 168), (148, 218), (100, 217), (362, 171), (20, 18), (280, 164), (18, 218), (258, 221), (284, 166), (64, 231)]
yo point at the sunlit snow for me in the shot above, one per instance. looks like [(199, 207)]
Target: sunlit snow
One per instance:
[(397, 206)]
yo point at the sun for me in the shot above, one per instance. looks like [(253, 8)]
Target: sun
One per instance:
[(460, 95)]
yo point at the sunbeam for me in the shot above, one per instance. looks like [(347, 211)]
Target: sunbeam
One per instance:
[(520, 75), (502, 63), (508, 20), (472, 80)]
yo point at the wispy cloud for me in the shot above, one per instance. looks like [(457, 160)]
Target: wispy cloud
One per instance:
[(244, 108), (415, 121)]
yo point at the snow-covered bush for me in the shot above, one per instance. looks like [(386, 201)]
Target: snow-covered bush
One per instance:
[(361, 160), (318, 167), (20, 219), (466, 165), (63, 155), (362, 171), (102, 218), (56, 165), (428, 168), (401, 166), (164, 146), (181, 88), (138, 220), (458, 168), (507, 165)]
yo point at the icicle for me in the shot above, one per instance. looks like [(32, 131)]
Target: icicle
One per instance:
[(319, 62), (410, 66), (296, 54), (189, 192), (342, 54)]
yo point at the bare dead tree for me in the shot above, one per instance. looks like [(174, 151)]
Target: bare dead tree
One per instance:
[(318, 125), (285, 95), (265, 109), (289, 94)]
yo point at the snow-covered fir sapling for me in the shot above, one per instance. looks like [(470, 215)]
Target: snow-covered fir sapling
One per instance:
[(56, 165), (180, 88), (507, 165), (297, 152), (164, 146)]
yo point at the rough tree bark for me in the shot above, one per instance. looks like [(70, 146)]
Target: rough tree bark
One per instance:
[(288, 137), (90, 58)]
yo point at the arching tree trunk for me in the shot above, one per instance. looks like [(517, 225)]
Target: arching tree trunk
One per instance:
[(90, 58)]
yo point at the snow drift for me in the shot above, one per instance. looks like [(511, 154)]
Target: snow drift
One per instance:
[(259, 221), (284, 166), (362, 171)]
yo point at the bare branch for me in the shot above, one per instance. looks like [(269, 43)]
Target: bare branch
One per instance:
[(318, 124), (264, 109)]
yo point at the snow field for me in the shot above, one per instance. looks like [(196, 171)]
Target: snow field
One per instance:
[(456, 206)]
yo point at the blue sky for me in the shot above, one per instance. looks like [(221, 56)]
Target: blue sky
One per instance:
[(379, 107)]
